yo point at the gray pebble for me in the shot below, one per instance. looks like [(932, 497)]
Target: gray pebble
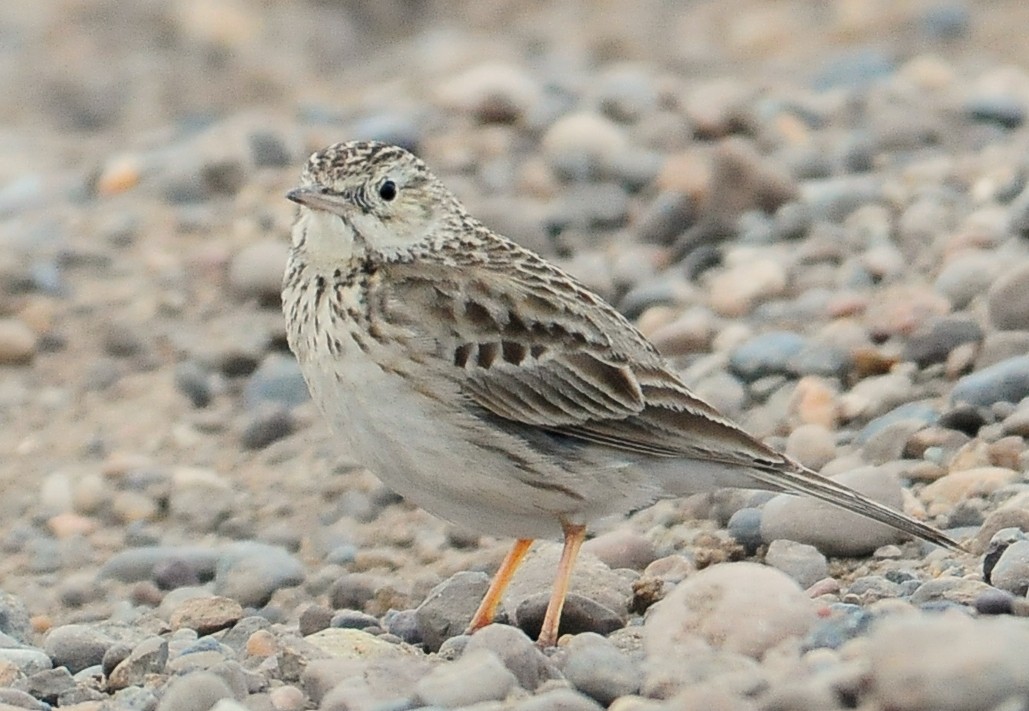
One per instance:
[(148, 657), (28, 660), (352, 591), (76, 646), (594, 666), (268, 149), (1008, 299), (48, 685), (1006, 381), (266, 426), (803, 563), (622, 548), (745, 527), (665, 218), (11, 699), (962, 280), (197, 691), (767, 354), (922, 413), (447, 685), (933, 342), (449, 607), (277, 380), (1011, 571), (194, 381), (14, 618), (580, 614), (828, 528), (353, 619), (1005, 111), (516, 651), (251, 572), (136, 564), (314, 618), (404, 625), (947, 663), (558, 700)]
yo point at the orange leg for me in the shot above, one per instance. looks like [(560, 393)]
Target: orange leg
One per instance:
[(574, 536), (488, 607)]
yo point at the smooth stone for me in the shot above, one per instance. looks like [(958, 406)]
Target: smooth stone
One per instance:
[(582, 145), (516, 651), (745, 527), (251, 572), (1008, 299), (136, 564), (803, 563), (196, 691), (1006, 381), (812, 445), (206, 614), (492, 92), (963, 279), (922, 413), (666, 217), (622, 548), (341, 643), (447, 685), (736, 290), (745, 608), (277, 380), (598, 597), (76, 646), (148, 657), (17, 342), (597, 668), (256, 270), (27, 660), (558, 700), (766, 354), (266, 426), (381, 684), (948, 663), (829, 528), (1011, 572), (448, 608), (958, 486), (934, 342), (48, 685)]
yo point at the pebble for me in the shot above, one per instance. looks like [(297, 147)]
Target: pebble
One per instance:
[(735, 291), (492, 92), (598, 597), (934, 342), (558, 700), (268, 425), (1006, 381), (277, 381), (250, 572), (595, 667), (948, 662), (583, 145), (76, 646), (136, 564), (447, 685), (1008, 299), (516, 651), (959, 486), (963, 279), (803, 563), (196, 691), (743, 608), (622, 548), (148, 657), (206, 614), (255, 272), (17, 342), (449, 607), (764, 355), (1011, 572), (829, 528), (813, 445)]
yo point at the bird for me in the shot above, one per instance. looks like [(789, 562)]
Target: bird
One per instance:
[(488, 386)]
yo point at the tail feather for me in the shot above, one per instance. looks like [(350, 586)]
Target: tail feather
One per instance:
[(800, 480)]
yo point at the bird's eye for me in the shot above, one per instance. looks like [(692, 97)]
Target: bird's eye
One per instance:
[(388, 190)]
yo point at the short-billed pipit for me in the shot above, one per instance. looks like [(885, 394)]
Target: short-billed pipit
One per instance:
[(490, 387)]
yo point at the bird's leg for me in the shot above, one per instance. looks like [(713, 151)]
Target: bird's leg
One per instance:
[(488, 607), (574, 536)]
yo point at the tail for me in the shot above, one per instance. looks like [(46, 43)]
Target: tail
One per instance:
[(797, 479)]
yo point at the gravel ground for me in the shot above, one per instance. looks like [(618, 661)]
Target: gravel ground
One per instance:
[(818, 211)]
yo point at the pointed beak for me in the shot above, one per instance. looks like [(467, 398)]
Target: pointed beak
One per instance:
[(316, 199)]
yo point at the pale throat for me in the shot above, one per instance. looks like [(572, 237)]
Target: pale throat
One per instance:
[(328, 241)]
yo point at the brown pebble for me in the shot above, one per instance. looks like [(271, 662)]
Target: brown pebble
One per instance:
[(66, 525), (261, 644), (41, 623), (206, 614)]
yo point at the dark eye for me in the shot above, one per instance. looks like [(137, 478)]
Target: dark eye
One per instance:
[(388, 190)]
